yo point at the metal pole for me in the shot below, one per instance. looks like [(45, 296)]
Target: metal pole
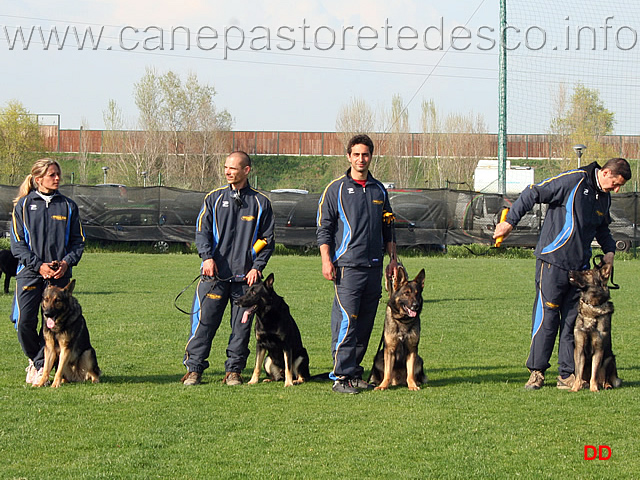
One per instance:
[(502, 113), (635, 220)]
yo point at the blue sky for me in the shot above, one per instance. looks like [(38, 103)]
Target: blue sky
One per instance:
[(285, 65)]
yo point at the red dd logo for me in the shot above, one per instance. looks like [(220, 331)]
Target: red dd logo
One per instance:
[(602, 452)]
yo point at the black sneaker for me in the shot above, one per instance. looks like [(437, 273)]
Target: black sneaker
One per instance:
[(361, 384), (345, 386)]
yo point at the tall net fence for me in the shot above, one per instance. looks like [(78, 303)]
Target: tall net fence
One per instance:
[(555, 46)]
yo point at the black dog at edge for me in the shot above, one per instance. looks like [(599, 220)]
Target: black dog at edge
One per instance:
[(276, 333), (8, 266)]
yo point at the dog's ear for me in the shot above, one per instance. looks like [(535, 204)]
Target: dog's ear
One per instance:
[(269, 281), (70, 286), (401, 278), (420, 278)]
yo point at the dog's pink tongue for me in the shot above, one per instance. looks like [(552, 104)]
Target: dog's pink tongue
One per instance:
[(50, 323), (245, 316), (411, 313)]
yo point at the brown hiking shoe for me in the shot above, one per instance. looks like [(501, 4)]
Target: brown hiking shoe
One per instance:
[(536, 380), (232, 378), (566, 383), (192, 378)]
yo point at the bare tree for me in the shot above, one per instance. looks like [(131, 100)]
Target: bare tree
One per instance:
[(83, 153), (206, 135), (113, 123), (354, 118), (431, 139), (399, 143), (452, 146), (149, 148), (127, 152), (173, 111), (465, 144), (182, 131)]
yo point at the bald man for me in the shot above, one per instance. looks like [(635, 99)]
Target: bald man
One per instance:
[(233, 217)]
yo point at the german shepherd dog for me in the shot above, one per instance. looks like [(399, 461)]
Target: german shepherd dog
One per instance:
[(8, 266), (593, 355), (398, 363), (66, 339), (276, 333)]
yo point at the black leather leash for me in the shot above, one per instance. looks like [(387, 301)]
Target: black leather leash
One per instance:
[(205, 278)]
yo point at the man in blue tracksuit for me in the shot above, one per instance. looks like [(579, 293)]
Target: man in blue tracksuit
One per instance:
[(578, 212), (47, 239), (355, 227), (232, 219)]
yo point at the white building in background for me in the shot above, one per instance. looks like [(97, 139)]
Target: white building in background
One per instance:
[(485, 177)]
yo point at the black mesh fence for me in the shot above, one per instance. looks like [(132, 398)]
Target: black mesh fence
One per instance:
[(126, 214), (424, 218)]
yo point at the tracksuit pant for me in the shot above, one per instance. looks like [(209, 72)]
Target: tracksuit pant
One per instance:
[(209, 303), (555, 307), (25, 314), (357, 294)]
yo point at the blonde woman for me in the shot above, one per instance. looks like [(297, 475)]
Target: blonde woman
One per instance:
[(47, 240)]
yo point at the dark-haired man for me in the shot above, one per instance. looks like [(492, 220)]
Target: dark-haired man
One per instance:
[(578, 212), (355, 228)]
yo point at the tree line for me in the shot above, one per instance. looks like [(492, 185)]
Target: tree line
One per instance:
[(180, 134)]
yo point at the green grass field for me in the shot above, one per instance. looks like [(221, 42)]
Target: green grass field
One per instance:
[(473, 418)]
